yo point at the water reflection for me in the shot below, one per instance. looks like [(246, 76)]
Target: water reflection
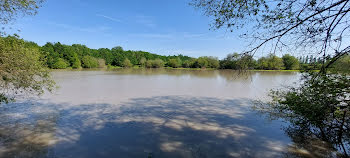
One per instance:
[(165, 126), (163, 113), (306, 146), (26, 131), (227, 74), (86, 87)]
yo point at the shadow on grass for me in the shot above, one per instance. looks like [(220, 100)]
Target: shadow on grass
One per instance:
[(163, 126)]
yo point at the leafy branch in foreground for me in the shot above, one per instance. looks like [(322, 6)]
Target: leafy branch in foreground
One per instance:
[(10, 10), (22, 66), (318, 108), (309, 26), (22, 69)]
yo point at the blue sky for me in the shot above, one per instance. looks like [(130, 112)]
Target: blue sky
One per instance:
[(166, 27)]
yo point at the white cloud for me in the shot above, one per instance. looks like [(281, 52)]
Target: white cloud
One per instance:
[(82, 29), (109, 18)]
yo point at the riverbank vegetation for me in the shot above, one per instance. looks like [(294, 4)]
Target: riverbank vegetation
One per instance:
[(76, 56), (23, 68), (60, 56), (317, 109)]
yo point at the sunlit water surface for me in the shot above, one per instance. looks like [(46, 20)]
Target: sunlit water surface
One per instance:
[(147, 113)]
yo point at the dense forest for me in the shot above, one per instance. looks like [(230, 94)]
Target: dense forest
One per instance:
[(61, 56)]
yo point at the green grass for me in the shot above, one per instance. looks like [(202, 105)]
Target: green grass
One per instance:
[(110, 67)]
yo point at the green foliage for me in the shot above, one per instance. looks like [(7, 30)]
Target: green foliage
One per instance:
[(143, 62), (114, 57), (127, 63), (22, 69), (157, 63), (237, 62), (76, 64), (318, 108), (22, 66), (188, 63), (342, 65), (206, 62), (149, 63), (89, 62), (201, 62), (101, 63), (274, 62), (262, 63), (175, 63), (271, 62), (60, 64), (118, 49), (230, 62), (73, 55), (246, 62), (213, 62), (290, 62)]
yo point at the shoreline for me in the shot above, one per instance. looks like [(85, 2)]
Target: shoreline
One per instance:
[(167, 68)]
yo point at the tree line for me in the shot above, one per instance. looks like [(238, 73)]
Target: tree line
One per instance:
[(286, 62), (61, 56)]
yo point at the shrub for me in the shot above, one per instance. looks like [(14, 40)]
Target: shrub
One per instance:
[(89, 62), (213, 62), (60, 64), (143, 62), (76, 64), (187, 64), (290, 62), (101, 63), (126, 63), (157, 63), (318, 108), (202, 62), (175, 63)]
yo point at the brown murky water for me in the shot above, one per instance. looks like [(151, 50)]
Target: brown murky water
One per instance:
[(146, 113)]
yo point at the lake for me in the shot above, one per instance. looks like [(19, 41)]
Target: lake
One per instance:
[(147, 113)]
